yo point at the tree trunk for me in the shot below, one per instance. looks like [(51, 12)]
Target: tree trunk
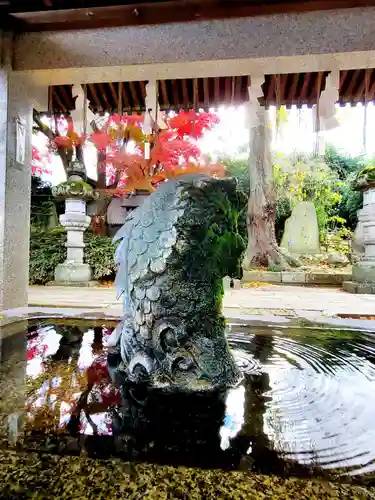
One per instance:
[(262, 248)]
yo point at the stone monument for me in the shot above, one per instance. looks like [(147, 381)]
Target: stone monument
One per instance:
[(174, 251), (301, 234)]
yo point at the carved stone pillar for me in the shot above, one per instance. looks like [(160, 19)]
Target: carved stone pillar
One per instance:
[(76, 193), (363, 274), (365, 269)]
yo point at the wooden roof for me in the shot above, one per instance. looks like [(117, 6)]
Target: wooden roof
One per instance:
[(292, 89), (39, 15)]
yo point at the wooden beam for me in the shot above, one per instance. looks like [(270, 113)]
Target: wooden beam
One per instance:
[(167, 11)]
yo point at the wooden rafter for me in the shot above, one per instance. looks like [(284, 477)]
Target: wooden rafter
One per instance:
[(195, 94), (293, 89), (283, 82), (237, 89), (300, 89), (143, 90), (175, 93), (305, 87), (360, 93), (133, 92), (353, 82), (113, 93), (97, 102), (125, 100), (228, 90), (318, 86), (206, 92), (217, 91), (104, 96), (55, 97), (371, 92), (163, 88), (185, 94)]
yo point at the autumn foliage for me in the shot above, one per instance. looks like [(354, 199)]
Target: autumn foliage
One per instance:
[(136, 161), (39, 162)]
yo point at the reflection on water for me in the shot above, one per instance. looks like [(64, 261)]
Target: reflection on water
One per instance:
[(307, 402)]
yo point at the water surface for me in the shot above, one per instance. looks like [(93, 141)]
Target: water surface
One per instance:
[(306, 404)]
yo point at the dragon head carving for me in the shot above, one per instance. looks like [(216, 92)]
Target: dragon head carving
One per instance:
[(173, 253)]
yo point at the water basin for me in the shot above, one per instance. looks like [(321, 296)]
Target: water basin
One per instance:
[(306, 404)]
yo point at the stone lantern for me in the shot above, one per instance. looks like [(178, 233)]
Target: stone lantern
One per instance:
[(76, 193), (363, 274)]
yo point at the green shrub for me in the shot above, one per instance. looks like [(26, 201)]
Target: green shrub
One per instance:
[(47, 250), (99, 253), (351, 202), (44, 206), (239, 168), (343, 165)]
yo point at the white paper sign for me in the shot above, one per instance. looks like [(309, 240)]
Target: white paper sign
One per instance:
[(20, 140), (255, 91)]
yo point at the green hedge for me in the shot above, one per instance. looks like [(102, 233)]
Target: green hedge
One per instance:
[(47, 250), (99, 253)]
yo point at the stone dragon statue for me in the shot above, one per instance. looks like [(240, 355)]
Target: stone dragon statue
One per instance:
[(172, 255)]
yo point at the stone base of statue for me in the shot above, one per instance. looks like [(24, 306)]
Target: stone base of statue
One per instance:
[(363, 278), (73, 272)]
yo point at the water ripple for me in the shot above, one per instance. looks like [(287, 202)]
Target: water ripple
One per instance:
[(318, 394)]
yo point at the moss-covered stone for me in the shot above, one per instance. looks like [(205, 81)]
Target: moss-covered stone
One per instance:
[(365, 178), (74, 189), (179, 245)]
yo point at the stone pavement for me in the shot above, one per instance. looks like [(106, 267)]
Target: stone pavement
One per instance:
[(279, 300)]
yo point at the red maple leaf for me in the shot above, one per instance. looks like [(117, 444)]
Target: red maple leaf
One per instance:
[(191, 123), (100, 139)]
